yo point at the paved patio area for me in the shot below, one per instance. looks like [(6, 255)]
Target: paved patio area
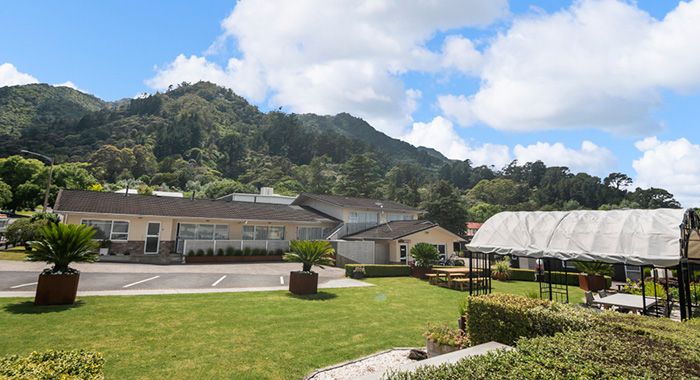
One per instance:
[(18, 279)]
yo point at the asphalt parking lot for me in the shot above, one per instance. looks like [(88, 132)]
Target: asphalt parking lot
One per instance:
[(20, 278)]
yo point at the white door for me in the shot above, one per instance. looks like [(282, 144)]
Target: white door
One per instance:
[(152, 238)]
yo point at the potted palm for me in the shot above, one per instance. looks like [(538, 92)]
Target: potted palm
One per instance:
[(308, 253), (501, 270), (60, 245), (424, 257), (592, 276)]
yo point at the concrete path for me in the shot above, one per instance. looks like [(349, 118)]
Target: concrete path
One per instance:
[(18, 279)]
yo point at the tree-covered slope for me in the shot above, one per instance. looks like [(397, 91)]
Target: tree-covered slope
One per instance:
[(24, 106)]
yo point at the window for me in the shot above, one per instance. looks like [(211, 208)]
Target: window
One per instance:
[(190, 231), (109, 229), (362, 217), (393, 217), (310, 233), (263, 232)]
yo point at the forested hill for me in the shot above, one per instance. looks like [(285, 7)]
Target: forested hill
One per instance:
[(205, 139)]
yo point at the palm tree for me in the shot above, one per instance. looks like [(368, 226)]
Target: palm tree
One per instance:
[(310, 253), (62, 244)]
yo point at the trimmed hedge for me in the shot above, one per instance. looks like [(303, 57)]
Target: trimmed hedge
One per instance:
[(65, 365), (588, 345), (529, 275), (505, 318), (379, 270)]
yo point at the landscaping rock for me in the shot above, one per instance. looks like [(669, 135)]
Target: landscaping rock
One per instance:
[(417, 355)]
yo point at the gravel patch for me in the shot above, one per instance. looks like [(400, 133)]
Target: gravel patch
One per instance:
[(376, 363)]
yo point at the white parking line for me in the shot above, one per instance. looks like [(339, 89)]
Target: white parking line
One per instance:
[(139, 282), (22, 285), (218, 281), (281, 280)]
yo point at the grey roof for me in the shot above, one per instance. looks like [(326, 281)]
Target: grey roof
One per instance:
[(355, 202), (112, 203), (392, 230)]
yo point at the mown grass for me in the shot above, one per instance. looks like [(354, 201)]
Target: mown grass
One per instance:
[(14, 254), (235, 335)]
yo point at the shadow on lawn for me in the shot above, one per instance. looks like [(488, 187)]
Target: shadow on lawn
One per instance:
[(27, 307), (320, 296)]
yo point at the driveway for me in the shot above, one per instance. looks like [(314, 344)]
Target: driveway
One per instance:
[(18, 279)]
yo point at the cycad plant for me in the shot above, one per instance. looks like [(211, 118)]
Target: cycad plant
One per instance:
[(500, 270), (62, 244), (594, 268), (310, 253), (425, 255)]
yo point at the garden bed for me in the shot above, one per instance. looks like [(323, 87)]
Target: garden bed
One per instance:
[(368, 365), (231, 259)]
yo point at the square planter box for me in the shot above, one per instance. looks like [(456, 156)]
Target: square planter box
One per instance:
[(302, 283), (230, 259), (56, 289), (591, 283)]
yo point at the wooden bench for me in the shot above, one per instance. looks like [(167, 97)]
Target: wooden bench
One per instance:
[(465, 281)]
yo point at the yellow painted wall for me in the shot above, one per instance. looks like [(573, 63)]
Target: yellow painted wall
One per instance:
[(437, 235)]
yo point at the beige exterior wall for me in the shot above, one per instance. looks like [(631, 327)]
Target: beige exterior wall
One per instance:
[(436, 235), (168, 226)]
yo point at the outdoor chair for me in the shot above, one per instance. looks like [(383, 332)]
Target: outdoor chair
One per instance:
[(603, 293), (590, 298)]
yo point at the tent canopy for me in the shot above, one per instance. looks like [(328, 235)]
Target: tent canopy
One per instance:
[(634, 237)]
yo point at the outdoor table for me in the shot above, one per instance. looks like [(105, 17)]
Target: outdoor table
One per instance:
[(626, 301), (449, 272)]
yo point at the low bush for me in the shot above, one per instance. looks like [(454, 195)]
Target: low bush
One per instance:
[(569, 278), (505, 318), (238, 252), (230, 251), (220, 252), (200, 252), (379, 270), (210, 251), (191, 252), (425, 255), (65, 365), (500, 270), (446, 335), (247, 251), (618, 347)]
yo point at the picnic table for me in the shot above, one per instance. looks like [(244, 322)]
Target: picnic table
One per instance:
[(626, 301), (451, 273)]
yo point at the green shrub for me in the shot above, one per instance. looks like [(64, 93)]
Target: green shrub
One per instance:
[(65, 365), (594, 268), (571, 278), (279, 252), (210, 251), (200, 252), (505, 318), (618, 347), (247, 251), (230, 251), (459, 263), (425, 255), (238, 252), (191, 252), (379, 270), (500, 270), (446, 335), (220, 252)]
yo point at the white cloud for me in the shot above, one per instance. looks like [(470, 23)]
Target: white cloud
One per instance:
[(598, 64), (590, 158), (460, 53), (440, 135), (336, 56), (672, 165), (10, 76)]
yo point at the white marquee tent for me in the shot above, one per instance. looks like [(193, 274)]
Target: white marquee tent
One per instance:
[(633, 237)]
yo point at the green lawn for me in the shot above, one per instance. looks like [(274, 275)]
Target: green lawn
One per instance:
[(15, 253), (236, 335)]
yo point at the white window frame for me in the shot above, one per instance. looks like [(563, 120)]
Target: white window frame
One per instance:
[(111, 228), (146, 236), (255, 232), (196, 230), (310, 228)]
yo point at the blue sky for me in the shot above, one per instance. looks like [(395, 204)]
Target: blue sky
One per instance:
[(595, 85)]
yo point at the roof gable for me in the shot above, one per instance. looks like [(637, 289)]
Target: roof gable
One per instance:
[(355, 202), (392, 230)]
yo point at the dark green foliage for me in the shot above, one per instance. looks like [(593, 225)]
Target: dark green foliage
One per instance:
[(557, 277), (53, 365), (239, 252), (5, 195), (22, 231), (594, 268), (425, 255), (220, 252), (444, 206), (361, 177), (191, 252), (62, 244), (247, 251), (200, 252), (210, 251), (230, 251), (379, 270), (584, 345), (505, 318), (310, 253)]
